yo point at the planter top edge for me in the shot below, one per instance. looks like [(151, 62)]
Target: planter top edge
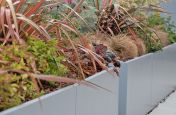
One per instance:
[(99, 74)]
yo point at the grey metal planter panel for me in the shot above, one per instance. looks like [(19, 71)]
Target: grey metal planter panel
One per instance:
[(92, 101), (164, 73), (61, 102), (146, 81), (138, 86)]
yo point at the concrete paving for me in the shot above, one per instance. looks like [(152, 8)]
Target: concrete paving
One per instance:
[(168, 107)]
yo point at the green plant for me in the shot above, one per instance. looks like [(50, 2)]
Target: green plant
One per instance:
[(151, 43), (170, 29), (16, 89), (156, 20), (17, 62), (165, 24), (47, 57)]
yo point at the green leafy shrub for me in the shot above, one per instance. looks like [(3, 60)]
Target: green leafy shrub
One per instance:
[(48, 60), (151, 44), (165, 24), (156, 20), (17, 87)]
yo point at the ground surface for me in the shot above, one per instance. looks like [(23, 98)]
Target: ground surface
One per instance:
[(166, 108)]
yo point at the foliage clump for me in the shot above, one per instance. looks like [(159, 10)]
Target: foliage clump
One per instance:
[(164, 24), (16, 89), (37, 56), (47, 57)]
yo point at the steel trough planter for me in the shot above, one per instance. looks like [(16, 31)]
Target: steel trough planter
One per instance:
[(142, 83), (76, 99)]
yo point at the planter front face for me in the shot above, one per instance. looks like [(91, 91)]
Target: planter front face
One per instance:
[(147, 80), (76, 99), (99, 101), (61, 102), (164, 74)]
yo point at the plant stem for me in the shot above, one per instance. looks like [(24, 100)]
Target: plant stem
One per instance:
[(75, 8), (97, 5)]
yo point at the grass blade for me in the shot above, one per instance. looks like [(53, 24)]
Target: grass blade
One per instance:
[(30, 22), (76, 52), (13, 14), (2, 22), (35, 8), (8, 19), (20, 4), (74, 11)]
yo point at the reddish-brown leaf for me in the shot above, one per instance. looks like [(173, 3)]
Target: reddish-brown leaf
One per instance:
[(67, 80), (35, 8), (2, 22), (20, 4), (8, 19)]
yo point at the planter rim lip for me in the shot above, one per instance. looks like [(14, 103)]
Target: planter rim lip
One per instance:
[(10, 110), (148, 54), (99, 73)]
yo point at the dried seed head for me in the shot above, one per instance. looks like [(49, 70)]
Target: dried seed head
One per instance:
[(124, 47)]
